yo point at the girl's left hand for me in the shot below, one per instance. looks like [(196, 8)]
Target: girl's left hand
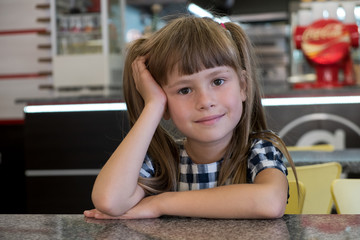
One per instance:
[(146, 208), (94, 213)]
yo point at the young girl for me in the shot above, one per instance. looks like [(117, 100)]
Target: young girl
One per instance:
[(201, 75)]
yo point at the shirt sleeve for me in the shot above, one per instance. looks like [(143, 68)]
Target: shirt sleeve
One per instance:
[(263, 154), (147, 169)]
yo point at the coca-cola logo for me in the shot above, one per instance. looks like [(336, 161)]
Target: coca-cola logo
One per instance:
[(323, 33), (326, 41)]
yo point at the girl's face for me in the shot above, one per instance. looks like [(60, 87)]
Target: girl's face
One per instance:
[(205, 106)]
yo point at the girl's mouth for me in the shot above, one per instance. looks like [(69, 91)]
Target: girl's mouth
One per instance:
[(209, 120)]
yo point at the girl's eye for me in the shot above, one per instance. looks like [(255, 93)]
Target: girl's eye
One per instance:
[(184, 91), (218, 82)]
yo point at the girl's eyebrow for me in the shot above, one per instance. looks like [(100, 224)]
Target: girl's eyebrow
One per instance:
[(179, 83), (186, 79)]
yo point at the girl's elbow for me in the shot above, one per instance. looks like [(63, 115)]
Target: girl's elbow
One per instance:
[(275, 212), (274, 204), (274, 209), (107, 206)]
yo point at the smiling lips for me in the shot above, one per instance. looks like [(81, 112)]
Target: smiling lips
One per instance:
[(209, 120)]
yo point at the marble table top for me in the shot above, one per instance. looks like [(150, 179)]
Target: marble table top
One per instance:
[(79, 227)]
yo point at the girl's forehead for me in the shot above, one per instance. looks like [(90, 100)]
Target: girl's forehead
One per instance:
[(176, 75), (189, 60), (180, 70)]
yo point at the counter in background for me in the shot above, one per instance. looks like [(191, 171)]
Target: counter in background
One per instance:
[(79, 227), (67, 141), (64, 152), (349, 159)]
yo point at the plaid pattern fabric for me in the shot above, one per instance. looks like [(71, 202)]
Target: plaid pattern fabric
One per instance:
[(147, 170), (263, 154), (197, 176)]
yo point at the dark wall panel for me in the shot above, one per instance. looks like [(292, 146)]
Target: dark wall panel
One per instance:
[(59, 148)]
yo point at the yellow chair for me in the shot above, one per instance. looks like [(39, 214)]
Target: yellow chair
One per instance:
[(346, 194), (317, 179), (296, 199)]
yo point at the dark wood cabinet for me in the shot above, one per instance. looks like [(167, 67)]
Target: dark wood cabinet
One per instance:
[(12, 178), (64, 151)]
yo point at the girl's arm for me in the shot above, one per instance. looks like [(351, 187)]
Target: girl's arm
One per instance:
[(116, 190), (265, 198)]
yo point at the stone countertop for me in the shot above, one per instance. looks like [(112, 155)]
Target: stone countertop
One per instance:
[(78, 227)]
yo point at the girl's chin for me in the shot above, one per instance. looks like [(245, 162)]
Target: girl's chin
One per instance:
[(210, 139)]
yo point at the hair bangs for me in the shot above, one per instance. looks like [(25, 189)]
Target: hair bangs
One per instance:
[(189, 49), (204, 55)]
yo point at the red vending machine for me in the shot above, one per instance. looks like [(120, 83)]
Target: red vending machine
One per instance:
[(326, 44)]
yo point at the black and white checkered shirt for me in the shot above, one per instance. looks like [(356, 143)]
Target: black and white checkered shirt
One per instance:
[(263, 154)]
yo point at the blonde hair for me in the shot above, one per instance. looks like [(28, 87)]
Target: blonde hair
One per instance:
[(190, 44)]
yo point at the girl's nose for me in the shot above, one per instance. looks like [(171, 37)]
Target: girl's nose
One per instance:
[(205, 99)]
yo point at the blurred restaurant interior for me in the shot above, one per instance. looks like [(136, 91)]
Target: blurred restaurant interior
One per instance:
[(62, 111)]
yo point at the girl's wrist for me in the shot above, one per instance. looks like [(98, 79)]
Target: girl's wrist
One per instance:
[(156, 107), (163, 203)]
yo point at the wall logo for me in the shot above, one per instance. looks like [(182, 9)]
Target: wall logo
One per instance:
[(336, 138)]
